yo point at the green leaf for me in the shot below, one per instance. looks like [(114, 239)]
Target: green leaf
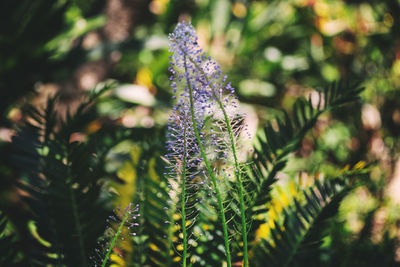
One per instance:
[(296, 242)]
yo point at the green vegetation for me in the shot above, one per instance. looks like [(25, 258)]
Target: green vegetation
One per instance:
[(85, 100)]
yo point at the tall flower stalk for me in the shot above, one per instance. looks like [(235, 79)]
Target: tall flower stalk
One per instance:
[(184, 159), (207, 94)]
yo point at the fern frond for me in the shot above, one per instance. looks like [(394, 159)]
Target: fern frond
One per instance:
[(61, 181), (295, 242), (277, 143)]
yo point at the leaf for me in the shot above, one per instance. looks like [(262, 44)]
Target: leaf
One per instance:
[(296, 242), (61, 182), (276, 143)]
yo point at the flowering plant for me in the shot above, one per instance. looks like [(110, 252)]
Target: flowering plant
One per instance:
[(206, 176), (203, 101), (211, 206)]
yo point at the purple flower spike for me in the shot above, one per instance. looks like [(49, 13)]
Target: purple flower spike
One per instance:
[(213, 96)]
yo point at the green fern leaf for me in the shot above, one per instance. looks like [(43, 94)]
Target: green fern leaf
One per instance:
[(297, 241), (60, 178)]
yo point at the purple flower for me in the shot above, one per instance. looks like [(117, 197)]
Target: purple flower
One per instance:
[(182, 144), (213, 96)]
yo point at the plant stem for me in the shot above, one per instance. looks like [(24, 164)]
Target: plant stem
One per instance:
[(238, 173), (115, 238), (210, 173), (183, 196)]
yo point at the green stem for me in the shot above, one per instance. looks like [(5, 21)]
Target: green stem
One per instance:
[(210, 173), (183, 200), (115, 238), (238, 173)]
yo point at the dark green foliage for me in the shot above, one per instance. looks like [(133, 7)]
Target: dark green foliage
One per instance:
[(61, 181), (7, 243), (296, 241), (277, 143)]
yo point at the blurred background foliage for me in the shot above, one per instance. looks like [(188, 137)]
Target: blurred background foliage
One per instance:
[(273, 53)]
